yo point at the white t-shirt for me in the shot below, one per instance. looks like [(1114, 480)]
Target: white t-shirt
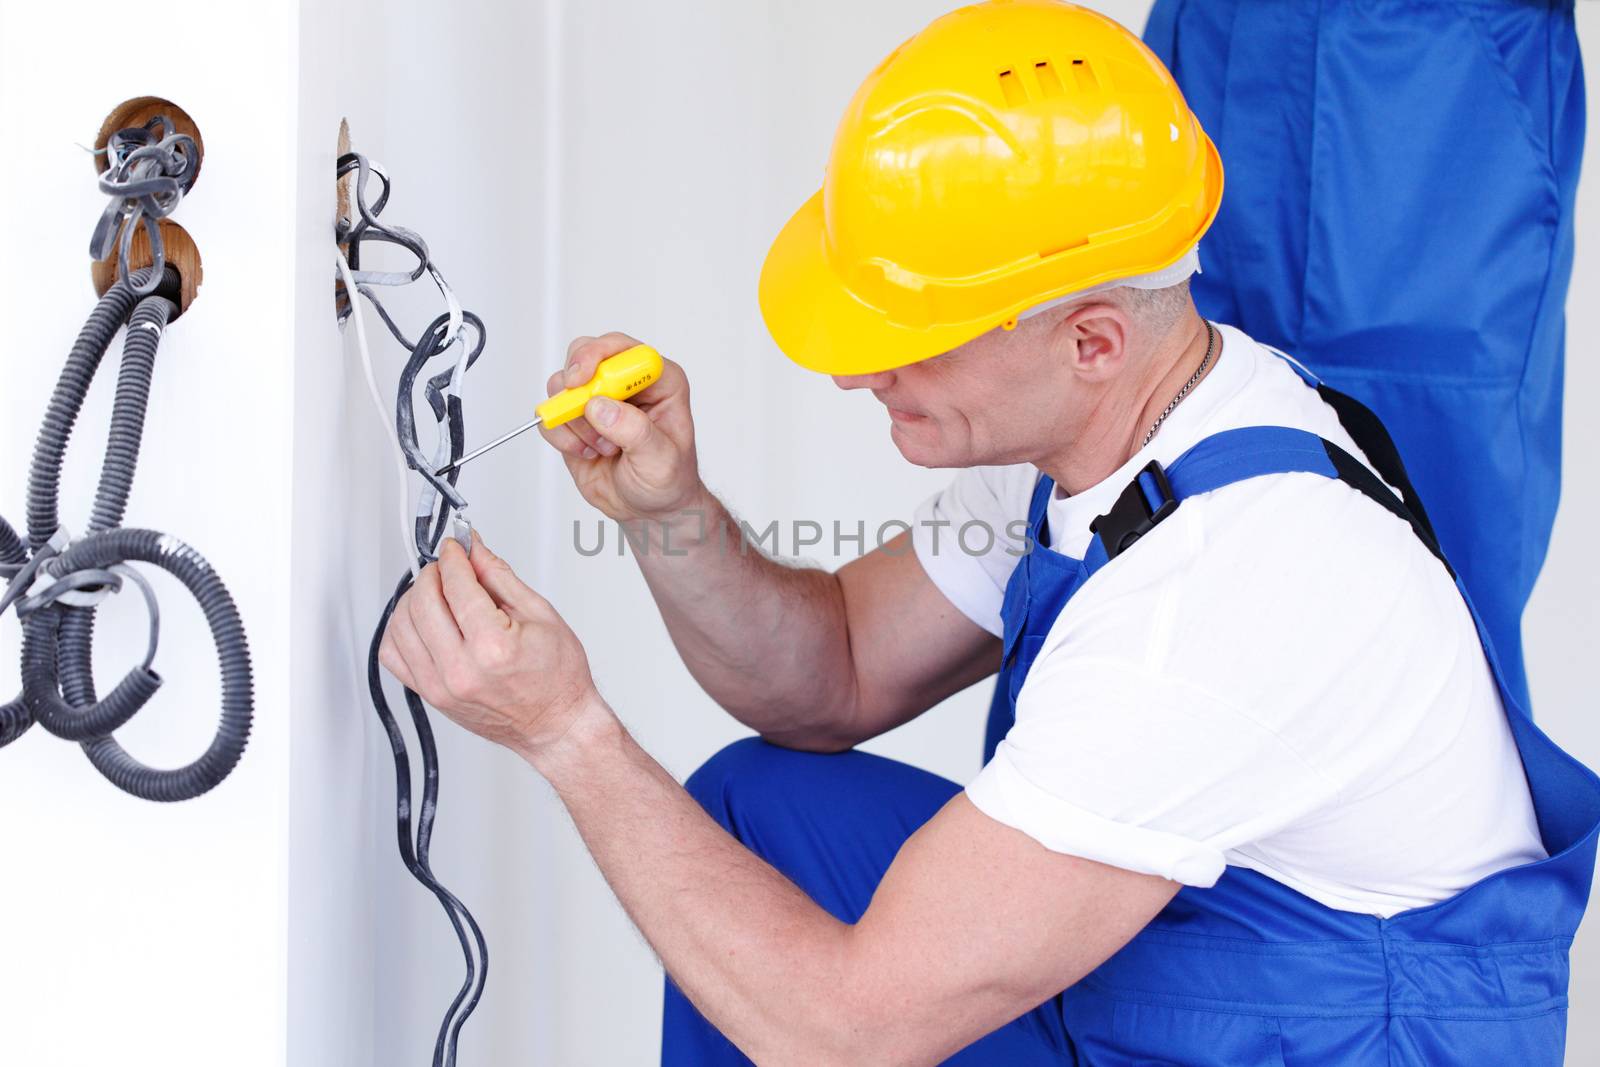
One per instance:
[(1279, 676)]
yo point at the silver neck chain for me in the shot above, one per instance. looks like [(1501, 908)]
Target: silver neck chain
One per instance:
[(1211, 342)]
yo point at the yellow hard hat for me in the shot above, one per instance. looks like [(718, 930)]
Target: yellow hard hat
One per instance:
[(1012, 152)]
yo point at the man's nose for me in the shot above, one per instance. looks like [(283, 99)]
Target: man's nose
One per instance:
[(879, 380)]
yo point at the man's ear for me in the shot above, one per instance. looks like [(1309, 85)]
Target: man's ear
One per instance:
[(1098, 334)]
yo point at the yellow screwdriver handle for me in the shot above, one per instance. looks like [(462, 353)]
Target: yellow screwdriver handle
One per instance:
[(619, 377)]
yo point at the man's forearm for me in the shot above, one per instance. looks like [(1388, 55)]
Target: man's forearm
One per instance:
[(761, 961), (769, 642)]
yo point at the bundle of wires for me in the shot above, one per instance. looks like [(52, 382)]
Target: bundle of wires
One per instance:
[(440, 509), (150, 169)]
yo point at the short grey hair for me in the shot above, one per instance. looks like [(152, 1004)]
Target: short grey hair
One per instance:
[(1158, 310), (1154, 311)]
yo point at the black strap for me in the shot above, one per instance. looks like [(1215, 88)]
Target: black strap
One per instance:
[(1148, 498), (1359, 477), (1372, 437)]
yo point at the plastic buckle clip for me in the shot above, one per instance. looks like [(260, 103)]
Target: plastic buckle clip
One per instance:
[(1145, 502)]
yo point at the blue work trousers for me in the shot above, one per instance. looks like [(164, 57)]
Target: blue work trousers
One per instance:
[(832, 824)]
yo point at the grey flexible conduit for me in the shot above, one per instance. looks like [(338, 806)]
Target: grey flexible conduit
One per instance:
[(58, 690), (14, 717), (13, 553)]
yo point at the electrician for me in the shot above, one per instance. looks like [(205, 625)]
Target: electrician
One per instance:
[(1256, 791)]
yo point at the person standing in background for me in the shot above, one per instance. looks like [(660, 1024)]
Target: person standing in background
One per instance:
[(1401, 181)]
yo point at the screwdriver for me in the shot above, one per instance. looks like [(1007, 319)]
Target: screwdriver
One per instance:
[(618, 377)]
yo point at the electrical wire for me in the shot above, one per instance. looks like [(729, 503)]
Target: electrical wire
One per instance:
[(440, 506), (406, 543), (149, 168)]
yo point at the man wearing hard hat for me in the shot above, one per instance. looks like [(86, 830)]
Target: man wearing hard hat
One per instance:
[(1254, 791)]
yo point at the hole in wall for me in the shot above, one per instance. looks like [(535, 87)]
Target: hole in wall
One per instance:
[(137, 112), (344, 216), (181, 254), (177, 246)]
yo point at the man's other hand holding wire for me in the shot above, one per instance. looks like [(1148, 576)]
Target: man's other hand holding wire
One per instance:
[(478, 644)]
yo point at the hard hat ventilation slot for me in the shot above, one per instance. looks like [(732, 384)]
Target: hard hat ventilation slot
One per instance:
[(1011, 88), (1083, 75), (1049, 82)]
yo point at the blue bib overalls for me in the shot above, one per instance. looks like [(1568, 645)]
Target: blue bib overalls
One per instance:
[(1247, 972)]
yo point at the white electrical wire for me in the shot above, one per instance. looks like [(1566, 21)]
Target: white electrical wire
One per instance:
[(441, 453), (402, 472), (452, 305)]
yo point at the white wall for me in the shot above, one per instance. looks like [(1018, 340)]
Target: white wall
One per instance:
[(137, 932)]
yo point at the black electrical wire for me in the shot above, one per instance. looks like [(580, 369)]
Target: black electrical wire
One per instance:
[(415, 856), (58, 624), (446, 408), (415, 839), (367, 228)]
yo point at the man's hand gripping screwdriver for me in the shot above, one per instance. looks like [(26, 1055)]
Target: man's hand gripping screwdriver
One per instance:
[(618, 377)]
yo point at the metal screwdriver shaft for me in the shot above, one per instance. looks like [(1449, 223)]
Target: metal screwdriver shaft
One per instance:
[(618, 377), (496, 443)]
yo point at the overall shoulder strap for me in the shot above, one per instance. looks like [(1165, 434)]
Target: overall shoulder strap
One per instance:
[(1039, 510), (1251, 452)]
